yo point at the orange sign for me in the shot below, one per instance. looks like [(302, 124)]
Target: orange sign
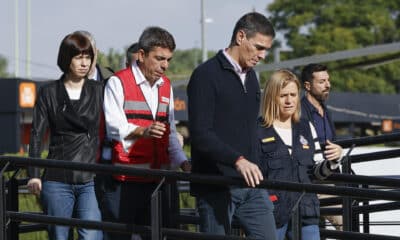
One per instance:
[(179, 105), (387, 125), (27, 94)]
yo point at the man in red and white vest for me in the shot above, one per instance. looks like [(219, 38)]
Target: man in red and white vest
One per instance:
[(139, 113)]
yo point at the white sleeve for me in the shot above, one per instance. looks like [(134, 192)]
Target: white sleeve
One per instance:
[(176, 154), (323, 167), (117, 125), (318, 155)]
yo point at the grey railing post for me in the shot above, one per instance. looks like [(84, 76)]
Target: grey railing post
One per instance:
[(347, 201), (3, 219), (12, 205), (156, 212), (2, 209), (365, 214), (296, 218)]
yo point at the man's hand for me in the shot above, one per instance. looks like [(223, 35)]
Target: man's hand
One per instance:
[(156, 130), (332, 151), (186, 166), (250, 172), (35, 185)]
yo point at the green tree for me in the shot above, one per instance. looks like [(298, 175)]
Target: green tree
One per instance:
[(184, 62), (181, 66), (323, 26), (113, 59), (3, 67)]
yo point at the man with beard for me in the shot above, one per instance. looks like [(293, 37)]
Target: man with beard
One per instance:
[(316, 84)]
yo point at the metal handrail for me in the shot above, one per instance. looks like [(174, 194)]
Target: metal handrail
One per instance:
[(17, 162), (207, 179)]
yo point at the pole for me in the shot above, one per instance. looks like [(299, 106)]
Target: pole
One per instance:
[(296, 218), (203, 33), (277, 57), (347, 201), (366, 214), (156, 212), (28, 39), (3, 218), (16, 44)]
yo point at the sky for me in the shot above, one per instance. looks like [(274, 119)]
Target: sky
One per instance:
[(114, 23)]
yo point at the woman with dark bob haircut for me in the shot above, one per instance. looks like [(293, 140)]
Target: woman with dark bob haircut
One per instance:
[(71, 109)]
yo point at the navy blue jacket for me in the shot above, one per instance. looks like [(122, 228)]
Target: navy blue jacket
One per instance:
[(307, 114), (278, 164), (222, 118)]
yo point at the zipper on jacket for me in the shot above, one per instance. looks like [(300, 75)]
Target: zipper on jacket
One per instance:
[(240, 80), (64, 106)]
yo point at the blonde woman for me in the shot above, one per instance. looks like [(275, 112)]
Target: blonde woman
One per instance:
[(290, 151)]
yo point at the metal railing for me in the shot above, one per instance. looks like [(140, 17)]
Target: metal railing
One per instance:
[(10, 215)]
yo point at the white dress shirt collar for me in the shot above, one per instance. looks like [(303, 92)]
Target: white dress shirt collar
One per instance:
[(238, 69), (140, 78)]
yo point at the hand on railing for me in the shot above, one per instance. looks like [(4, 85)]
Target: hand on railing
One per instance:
[(186, 166), (250, 172), (35, 185)]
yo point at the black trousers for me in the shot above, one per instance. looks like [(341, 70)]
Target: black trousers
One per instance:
[(130, 202)]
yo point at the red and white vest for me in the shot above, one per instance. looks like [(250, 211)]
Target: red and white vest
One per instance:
[(145, 152)]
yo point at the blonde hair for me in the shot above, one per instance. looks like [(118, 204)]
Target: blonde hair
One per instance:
[(270, 102)]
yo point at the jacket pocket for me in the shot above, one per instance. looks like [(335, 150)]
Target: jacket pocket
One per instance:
[(275, 163), (310, 207), (269, 149)]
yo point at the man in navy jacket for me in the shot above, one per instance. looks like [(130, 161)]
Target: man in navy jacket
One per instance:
[(316, 83), (317, 86), (224, 97)]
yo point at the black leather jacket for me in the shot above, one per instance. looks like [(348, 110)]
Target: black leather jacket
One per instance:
[(73, 127)]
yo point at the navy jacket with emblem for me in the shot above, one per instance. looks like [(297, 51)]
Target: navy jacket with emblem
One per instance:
[(300, 167)]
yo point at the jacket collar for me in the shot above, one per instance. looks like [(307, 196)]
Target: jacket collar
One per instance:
[(223, 61), (141, 79), (64, 103)]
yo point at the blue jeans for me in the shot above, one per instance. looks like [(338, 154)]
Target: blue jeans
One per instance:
[(251, 206), (309, 232), (68, 200)]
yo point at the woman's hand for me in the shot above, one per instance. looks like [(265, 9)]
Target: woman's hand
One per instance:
[(35, 185)]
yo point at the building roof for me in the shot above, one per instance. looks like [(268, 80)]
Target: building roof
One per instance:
[(363, 107)]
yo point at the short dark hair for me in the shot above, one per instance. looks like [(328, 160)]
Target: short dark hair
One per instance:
[(89, 36), (307, 72), (134, 48), (252, 23), (72, 45), (156, 37)]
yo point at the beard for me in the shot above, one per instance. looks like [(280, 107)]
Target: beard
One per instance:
[(320, 96)]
